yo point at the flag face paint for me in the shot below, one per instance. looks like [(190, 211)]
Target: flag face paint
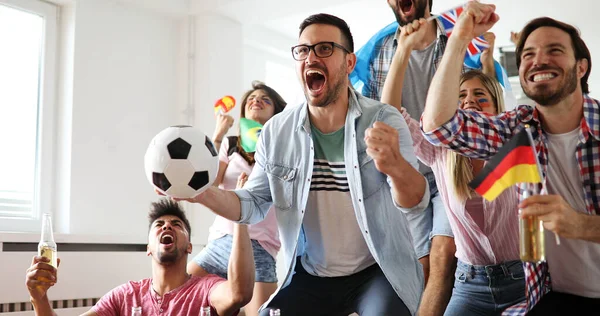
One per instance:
[(484, 103)]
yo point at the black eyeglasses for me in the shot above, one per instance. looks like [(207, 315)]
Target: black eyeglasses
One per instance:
[(322, 50)]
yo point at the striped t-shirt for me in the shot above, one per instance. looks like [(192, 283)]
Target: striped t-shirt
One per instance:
[(335, 245)]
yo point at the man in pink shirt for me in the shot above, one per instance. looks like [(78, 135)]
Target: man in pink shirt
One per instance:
[(170, 291)]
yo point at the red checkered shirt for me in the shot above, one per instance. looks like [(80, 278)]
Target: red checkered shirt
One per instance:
[(479, 135)]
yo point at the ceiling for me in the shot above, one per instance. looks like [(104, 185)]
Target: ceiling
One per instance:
[(365, 17)]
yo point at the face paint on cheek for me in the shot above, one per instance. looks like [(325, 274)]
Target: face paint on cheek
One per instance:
[(268, 102), (484, 102)]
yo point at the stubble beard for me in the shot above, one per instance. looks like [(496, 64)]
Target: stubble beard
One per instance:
[(546, 97)]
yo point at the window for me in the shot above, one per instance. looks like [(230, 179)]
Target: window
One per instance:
[(27, 99)]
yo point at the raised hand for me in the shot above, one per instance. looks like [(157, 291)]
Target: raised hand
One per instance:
[(487, 56), (413, 33), (382, 146), (40, 277), (224, 123), (476, 19), (514, 37)]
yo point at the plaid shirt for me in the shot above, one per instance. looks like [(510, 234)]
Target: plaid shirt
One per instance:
[(384, 53), (480, 136)]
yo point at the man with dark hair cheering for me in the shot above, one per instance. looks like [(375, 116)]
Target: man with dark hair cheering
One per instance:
[(554, 65), (341, 172), (170, 291)]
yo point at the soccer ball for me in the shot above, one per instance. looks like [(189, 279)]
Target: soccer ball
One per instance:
[(181, 162)]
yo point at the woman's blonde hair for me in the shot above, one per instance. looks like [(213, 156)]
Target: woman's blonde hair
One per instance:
[(459, 167)]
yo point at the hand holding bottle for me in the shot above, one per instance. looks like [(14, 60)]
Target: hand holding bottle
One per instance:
[(40, 277)]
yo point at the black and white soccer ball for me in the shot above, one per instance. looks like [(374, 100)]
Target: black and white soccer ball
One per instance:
[(181, 162)]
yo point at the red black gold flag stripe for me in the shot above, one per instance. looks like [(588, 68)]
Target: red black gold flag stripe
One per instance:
[(514, 163)]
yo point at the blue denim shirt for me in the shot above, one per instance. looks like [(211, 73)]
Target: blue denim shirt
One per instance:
[(283, 171)]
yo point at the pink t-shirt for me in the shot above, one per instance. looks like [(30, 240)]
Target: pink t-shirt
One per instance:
[(265, 232), (484, 237), (187, 299)]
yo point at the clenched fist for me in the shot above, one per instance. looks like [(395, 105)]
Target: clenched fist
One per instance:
[(383, 146)]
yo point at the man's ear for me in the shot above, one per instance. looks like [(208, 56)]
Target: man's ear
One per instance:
[(148, 252), (350, 62), (189, 248), (582, 67)]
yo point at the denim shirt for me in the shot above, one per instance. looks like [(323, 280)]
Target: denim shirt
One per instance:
[(283, 171)]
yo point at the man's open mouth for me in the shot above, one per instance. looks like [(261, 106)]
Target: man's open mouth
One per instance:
[(405, 6), (315, 80), (166, 240)]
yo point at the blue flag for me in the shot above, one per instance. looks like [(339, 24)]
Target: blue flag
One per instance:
[(366, 54)]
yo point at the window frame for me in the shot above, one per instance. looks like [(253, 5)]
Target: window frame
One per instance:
[(43, 193)]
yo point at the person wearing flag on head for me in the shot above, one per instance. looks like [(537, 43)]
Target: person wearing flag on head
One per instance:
[(554, 66), (236, 161), (487, 252), (340, 173)]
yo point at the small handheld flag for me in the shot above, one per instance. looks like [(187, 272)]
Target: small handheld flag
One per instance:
[(224, 104), (249, 132), (361, 74), (449, 18), (515, 162)]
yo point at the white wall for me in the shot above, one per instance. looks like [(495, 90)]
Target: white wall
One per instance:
[(124, 76), (228, 57), (124, 92), (118, 88), (267, 57)]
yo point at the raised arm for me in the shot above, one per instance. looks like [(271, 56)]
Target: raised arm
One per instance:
[(40, 277), (223, 162), (229, 296), (441, 104), (487, 56), (224, 123), (409, 36)]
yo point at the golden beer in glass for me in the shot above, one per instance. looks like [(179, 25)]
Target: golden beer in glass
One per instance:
[(531, 239)]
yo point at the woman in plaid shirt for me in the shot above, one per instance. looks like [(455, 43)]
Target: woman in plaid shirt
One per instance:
[(554, 65)]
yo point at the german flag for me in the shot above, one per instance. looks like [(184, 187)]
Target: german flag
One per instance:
[(515, 162)]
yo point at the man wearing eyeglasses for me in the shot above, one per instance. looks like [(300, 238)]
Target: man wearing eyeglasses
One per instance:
[(340, 171)]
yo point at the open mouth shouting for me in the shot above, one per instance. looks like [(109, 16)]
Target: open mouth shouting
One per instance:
[(315, 81), (406, 7), (167, 240)]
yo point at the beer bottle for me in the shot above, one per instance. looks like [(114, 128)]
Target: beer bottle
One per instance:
[(275, 312), (47, 246), (136, 311), (532, 245), (205, 311)]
